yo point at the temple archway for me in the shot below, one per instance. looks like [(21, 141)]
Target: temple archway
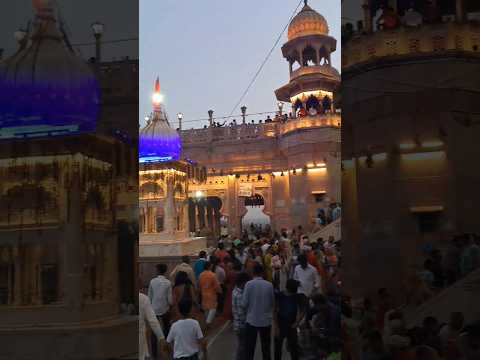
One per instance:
[(255, 215), (204, 214), (313, 102)]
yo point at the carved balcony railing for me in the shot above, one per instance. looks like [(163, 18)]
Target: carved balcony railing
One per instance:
[(410, 42), (259, 131), (316, 69)]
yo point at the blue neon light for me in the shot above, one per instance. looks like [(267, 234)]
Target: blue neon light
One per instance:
[(160, 149), (52, 105), (154, 159)]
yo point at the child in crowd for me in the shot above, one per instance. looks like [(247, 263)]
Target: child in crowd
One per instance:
[(186, 335)]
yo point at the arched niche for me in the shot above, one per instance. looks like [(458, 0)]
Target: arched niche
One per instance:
[(152, 190), (309, 57), (255, 206), (323, 56), (312, 102)]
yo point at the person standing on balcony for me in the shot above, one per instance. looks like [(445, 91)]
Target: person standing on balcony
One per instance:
[(326, 103)]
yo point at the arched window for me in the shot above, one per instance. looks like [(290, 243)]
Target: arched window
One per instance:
[(295, 60), (313, 102), (309, 56), (298, 105), (326, 103), (323, 56)]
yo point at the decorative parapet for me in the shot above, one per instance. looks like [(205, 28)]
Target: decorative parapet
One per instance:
[(258, 131), (324, 70), (411, 42)]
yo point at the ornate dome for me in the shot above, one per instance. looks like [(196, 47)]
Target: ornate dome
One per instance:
[(307, 22), (158, 140), (45, 89)]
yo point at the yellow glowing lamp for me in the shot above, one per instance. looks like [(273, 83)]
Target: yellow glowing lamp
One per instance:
[(157, 98)]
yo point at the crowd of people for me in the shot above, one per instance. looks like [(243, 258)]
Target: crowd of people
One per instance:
[(312, 107), (443, 267), (270, 285), (378, 330), (407, 13)]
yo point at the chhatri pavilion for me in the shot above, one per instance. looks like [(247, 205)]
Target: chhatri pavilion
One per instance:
[(164, 180), (59, 246)]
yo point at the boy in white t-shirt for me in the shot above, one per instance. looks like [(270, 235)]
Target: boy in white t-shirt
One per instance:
[(186, 335)]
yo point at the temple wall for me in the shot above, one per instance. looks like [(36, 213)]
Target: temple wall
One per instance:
[(289, 198), (422, 141)]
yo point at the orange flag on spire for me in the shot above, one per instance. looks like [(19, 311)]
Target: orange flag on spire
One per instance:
[(157, 85)]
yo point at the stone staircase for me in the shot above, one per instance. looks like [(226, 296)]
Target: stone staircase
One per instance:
[(463, 296), (333, 229)]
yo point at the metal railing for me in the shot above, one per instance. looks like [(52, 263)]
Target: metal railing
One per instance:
[(258, 131)]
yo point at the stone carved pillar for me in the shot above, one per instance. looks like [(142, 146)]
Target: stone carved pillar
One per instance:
[(209, 216), (74, 251), (317, 54), (99, 253), (186, 217), (201, 215), (18, 261), (300, 56), (192, 215), (367, 17), (461, 13), (37, 275), (216, 223), (169, 214)]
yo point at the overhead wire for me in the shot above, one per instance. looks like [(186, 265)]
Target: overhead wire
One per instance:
[(107, 42), (266, 59)]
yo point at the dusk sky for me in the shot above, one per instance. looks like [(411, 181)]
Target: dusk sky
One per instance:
[(206, 52), (122, 23)]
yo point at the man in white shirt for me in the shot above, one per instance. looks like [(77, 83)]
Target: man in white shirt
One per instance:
[(186, 335), (451, 331), (307, 276), (160, 294), (258, 301), (147, 315), (265, 247)]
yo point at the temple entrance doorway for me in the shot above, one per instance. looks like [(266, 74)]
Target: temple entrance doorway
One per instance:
[(255, 218)]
